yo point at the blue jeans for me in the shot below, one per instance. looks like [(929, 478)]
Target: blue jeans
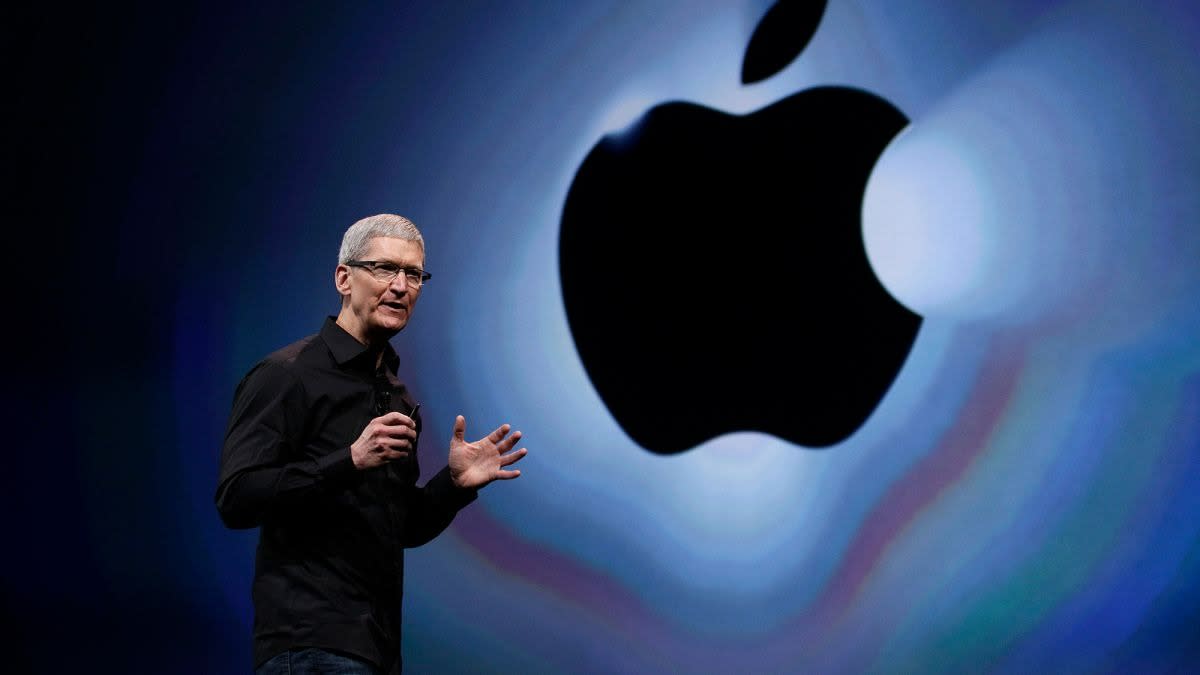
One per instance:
[(312, 661)]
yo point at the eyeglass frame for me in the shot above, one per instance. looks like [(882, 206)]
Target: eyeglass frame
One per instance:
[(372, 265)]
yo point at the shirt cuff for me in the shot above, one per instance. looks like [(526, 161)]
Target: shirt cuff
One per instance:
[(337, 465), (441, 487)]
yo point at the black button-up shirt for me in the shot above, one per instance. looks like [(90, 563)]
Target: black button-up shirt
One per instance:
[(330, 564)]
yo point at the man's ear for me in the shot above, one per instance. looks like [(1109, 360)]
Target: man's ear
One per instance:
[(341, 280)]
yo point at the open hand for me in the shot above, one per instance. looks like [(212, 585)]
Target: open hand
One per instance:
[(473, 465)]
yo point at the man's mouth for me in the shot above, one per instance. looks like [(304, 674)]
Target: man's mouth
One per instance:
[(396, 306)]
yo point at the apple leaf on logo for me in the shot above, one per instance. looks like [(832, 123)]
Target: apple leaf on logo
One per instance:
[(783, 32)]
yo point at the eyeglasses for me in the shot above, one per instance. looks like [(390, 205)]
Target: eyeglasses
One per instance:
[(387, 271)]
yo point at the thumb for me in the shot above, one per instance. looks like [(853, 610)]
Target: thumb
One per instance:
[(460, 427)]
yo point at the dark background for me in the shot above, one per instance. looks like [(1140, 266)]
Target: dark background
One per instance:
[(181, 175)]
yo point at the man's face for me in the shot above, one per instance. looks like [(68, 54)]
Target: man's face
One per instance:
[(374, 310)]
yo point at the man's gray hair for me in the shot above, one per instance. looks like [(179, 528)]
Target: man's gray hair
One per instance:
[(360, 234)]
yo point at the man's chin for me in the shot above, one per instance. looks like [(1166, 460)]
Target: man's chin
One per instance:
[(386, 329)]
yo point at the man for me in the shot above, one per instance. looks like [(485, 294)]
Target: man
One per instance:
[(320, 453)]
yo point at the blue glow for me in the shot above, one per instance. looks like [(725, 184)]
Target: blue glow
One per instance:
[(1031, 476)]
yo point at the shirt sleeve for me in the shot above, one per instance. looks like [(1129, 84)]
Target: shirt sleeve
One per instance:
[(431, 508), (262, 468)]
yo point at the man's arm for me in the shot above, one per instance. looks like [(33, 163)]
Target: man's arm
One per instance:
[(261, 468), (471, 466), (430, 509)]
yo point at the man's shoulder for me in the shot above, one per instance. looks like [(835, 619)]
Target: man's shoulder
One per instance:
[(293, 363), (298, 352)]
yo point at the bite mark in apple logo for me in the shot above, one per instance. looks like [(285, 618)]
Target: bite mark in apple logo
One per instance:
[(713, 268)]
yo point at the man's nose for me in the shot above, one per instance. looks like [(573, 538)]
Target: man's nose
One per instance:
[(400, 284)]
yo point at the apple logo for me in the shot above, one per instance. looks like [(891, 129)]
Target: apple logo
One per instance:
[(713, 268)]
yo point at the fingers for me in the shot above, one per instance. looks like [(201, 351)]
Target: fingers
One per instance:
[(500, 439), (389, 428), (460, 427), (390, 450), (404, 445), (392, 433), (508, 443), (512, 457), (399, 432), (385, 439), (499, 433), (497, 438), (395, 419)]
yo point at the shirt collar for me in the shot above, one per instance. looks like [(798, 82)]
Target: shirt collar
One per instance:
[(346, 349)]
